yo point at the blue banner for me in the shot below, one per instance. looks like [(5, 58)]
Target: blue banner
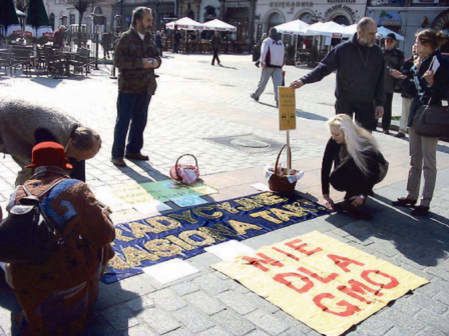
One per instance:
[(185, 233)]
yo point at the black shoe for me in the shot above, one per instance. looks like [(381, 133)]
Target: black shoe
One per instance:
[(118, 162), (404, 201), (400, 135), (420, 210), (252, 95), (137, 156), (387, 132)]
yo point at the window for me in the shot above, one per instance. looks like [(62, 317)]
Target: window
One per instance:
[(72, 19)]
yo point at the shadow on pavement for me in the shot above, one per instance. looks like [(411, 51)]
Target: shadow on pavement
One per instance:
[(422, 240), (309, 115), (153, 174)]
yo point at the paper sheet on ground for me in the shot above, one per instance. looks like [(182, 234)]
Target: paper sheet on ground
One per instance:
[(229, 250), (170, 270), (322, 282), (167, 190)]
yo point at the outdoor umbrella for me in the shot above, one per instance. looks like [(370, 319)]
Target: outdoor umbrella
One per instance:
[(8, 17), (383, 32), (37, 18), (349, 31), (185, 23), (295, 27), (329, 28), (219, 25)]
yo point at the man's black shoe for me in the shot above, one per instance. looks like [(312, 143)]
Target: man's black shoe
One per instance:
[(137, 156), (254, 97), (118, 162), (400, 135)]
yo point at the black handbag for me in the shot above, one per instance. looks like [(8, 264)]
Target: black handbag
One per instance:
[(432, 121), (27, 235)]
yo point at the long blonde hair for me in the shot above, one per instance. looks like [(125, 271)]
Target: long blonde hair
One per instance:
[(357, 139)]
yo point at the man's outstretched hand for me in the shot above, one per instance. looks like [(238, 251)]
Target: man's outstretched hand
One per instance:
[(296, 84)]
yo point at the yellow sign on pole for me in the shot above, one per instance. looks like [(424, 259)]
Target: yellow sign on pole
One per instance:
[(287, 108)]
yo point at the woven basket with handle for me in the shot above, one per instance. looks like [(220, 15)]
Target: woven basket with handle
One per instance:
[(279, 181)]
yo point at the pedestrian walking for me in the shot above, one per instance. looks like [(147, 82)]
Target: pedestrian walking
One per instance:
[(358, 165), (106, 43), (58, 294), (272, 59), (158, 41), (216, 45), (136, 58), (393, 58), (360, 75), (176, 40), (430, 86), (37, 124)]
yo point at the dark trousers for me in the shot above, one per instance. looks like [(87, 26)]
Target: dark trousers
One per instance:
[(131, 108), (386, 119), (215, 57), (364, 112), (349, 178)]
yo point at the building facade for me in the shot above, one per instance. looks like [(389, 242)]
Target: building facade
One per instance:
[(61, 12), (406, 17), (270, 13)]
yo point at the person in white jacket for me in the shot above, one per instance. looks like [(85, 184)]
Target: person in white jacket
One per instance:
[(271, 60)]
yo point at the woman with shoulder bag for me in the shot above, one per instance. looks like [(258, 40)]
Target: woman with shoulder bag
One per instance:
[(429, 84)]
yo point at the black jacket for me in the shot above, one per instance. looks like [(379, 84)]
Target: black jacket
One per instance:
[(394, 59), (360, 72), (344, 168)]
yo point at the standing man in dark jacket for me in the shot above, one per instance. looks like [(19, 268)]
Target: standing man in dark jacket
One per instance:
[(360, 75), (216, 44), (394, 58), (136, 57)]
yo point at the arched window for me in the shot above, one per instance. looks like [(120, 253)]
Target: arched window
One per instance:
[(307, 17), (341, 19), (275, 19)]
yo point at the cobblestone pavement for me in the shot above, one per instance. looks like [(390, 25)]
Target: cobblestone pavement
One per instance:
[(197, 107)]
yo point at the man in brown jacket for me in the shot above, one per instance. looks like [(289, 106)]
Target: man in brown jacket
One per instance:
[(136, 57)]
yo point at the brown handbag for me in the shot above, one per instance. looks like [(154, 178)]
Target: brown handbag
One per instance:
[(279, 181)]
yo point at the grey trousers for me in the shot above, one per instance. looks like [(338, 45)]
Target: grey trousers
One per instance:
[(422, 159), (275, 74), (406, 105)]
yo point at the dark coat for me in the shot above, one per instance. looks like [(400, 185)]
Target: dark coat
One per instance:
[(394, 59), (129, 54), (360, 72), (432, 95)]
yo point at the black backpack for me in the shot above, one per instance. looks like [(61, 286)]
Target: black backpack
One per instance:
[(27, 235)]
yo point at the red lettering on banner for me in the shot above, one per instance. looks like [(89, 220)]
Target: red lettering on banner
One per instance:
[(325, 280), (286, 253), (350, 309), (344, 262), (301, 247), (282, 278), (393, 282), (356, 288), (265, 260)]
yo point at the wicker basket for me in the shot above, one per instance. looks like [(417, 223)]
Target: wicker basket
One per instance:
[(177, 171), (279, 181)]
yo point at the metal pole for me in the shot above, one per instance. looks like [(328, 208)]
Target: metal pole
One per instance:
[(96, 46), (289, 158)]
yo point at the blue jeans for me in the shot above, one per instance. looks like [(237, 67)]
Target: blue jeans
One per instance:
[(131, 108)]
